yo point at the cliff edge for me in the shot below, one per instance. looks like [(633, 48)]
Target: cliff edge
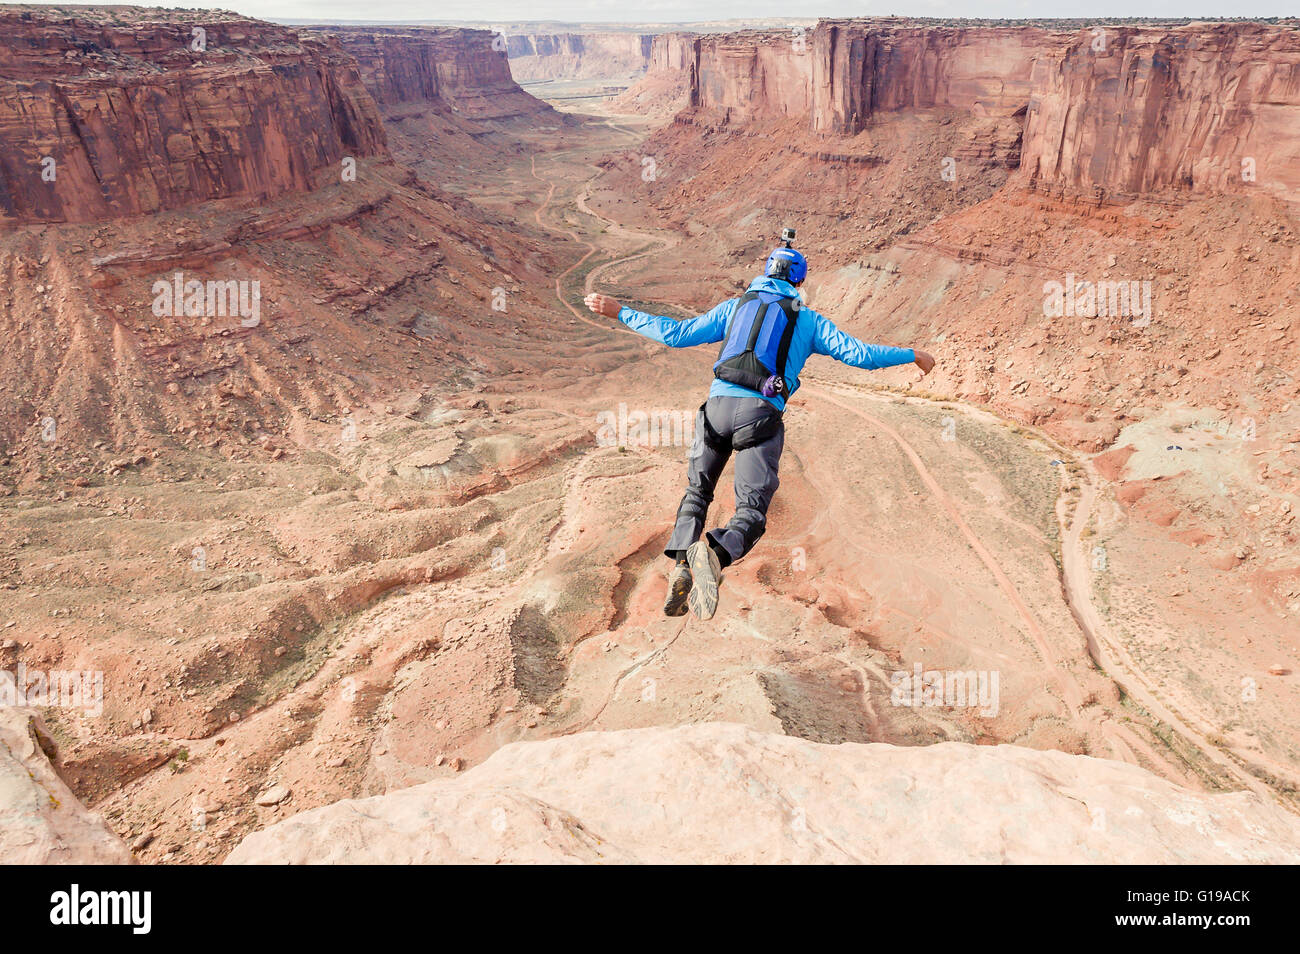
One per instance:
[(724, 793)]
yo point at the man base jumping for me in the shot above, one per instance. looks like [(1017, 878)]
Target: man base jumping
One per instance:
[(767, 336)]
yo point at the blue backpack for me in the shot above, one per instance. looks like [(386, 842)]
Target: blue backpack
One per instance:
[(757, 344)]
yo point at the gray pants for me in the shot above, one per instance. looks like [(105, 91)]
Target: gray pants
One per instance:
[(754, 430)]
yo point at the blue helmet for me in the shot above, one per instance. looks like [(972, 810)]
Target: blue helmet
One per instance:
[(786, 263)]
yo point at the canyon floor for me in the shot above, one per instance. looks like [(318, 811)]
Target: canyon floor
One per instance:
[(466, 563)]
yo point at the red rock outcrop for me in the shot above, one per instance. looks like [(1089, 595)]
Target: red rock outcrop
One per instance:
[(699, 793), (836, 76), (666, 86), (118, 111), (41, 821), (536, 56), (460, 68), (753, 75), (174, 160), (861, 69), (672, 51), (1105, 111), (1202, 108)]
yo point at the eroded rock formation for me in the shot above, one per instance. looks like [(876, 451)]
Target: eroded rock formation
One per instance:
[(672, 51), (753, 74), (670, 76), (860, 69), (41, 821), (722, 793), (121, 111), (578, 55), (460, 68), (1203, 108), (1104, 111)]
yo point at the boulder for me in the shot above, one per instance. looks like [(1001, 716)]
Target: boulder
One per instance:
[(41, 821)]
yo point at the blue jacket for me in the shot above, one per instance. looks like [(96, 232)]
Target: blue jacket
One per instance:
[(813, 334)]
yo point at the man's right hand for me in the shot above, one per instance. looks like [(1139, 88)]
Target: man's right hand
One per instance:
[(924, 361)]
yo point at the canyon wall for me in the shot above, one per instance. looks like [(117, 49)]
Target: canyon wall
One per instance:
[(669, 78), (1105, 111), (113, 113), (535, 56), (1201, 108), (837, 76), (671, 52), (753, 75), (860, 69), (459, 68)]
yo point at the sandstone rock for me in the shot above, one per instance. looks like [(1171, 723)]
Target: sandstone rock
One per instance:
[(578, 55), (1158, 109), (41, 821), (272, 796), (726, 793), (867, 66), (1168, 109), (753, 75), (1224, 560), (265, 112), (666, 86), (458, 68)]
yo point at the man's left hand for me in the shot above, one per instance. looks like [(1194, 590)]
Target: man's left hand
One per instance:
[(603, 304)]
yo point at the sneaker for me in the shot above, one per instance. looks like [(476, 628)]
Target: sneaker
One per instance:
[(679, 587), (706, 572)]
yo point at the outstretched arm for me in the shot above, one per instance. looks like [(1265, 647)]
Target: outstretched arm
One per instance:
[(708, 327), (829, 340)]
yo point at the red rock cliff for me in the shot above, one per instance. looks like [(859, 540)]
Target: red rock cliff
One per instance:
[(861, 69), (1199, 108), (672, 52), (135, 120), (578, 55), (669, 79), (460, 68), (1106, 111), (753, 75)]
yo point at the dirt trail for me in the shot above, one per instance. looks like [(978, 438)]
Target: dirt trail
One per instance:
[(591, 249), (1070, 691), (656, 243), (1111, 655)]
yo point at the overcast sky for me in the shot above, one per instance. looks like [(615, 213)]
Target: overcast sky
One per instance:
[(647, 11)]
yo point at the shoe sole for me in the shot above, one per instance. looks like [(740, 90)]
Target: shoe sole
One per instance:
[(706, 574), (675, 605)]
